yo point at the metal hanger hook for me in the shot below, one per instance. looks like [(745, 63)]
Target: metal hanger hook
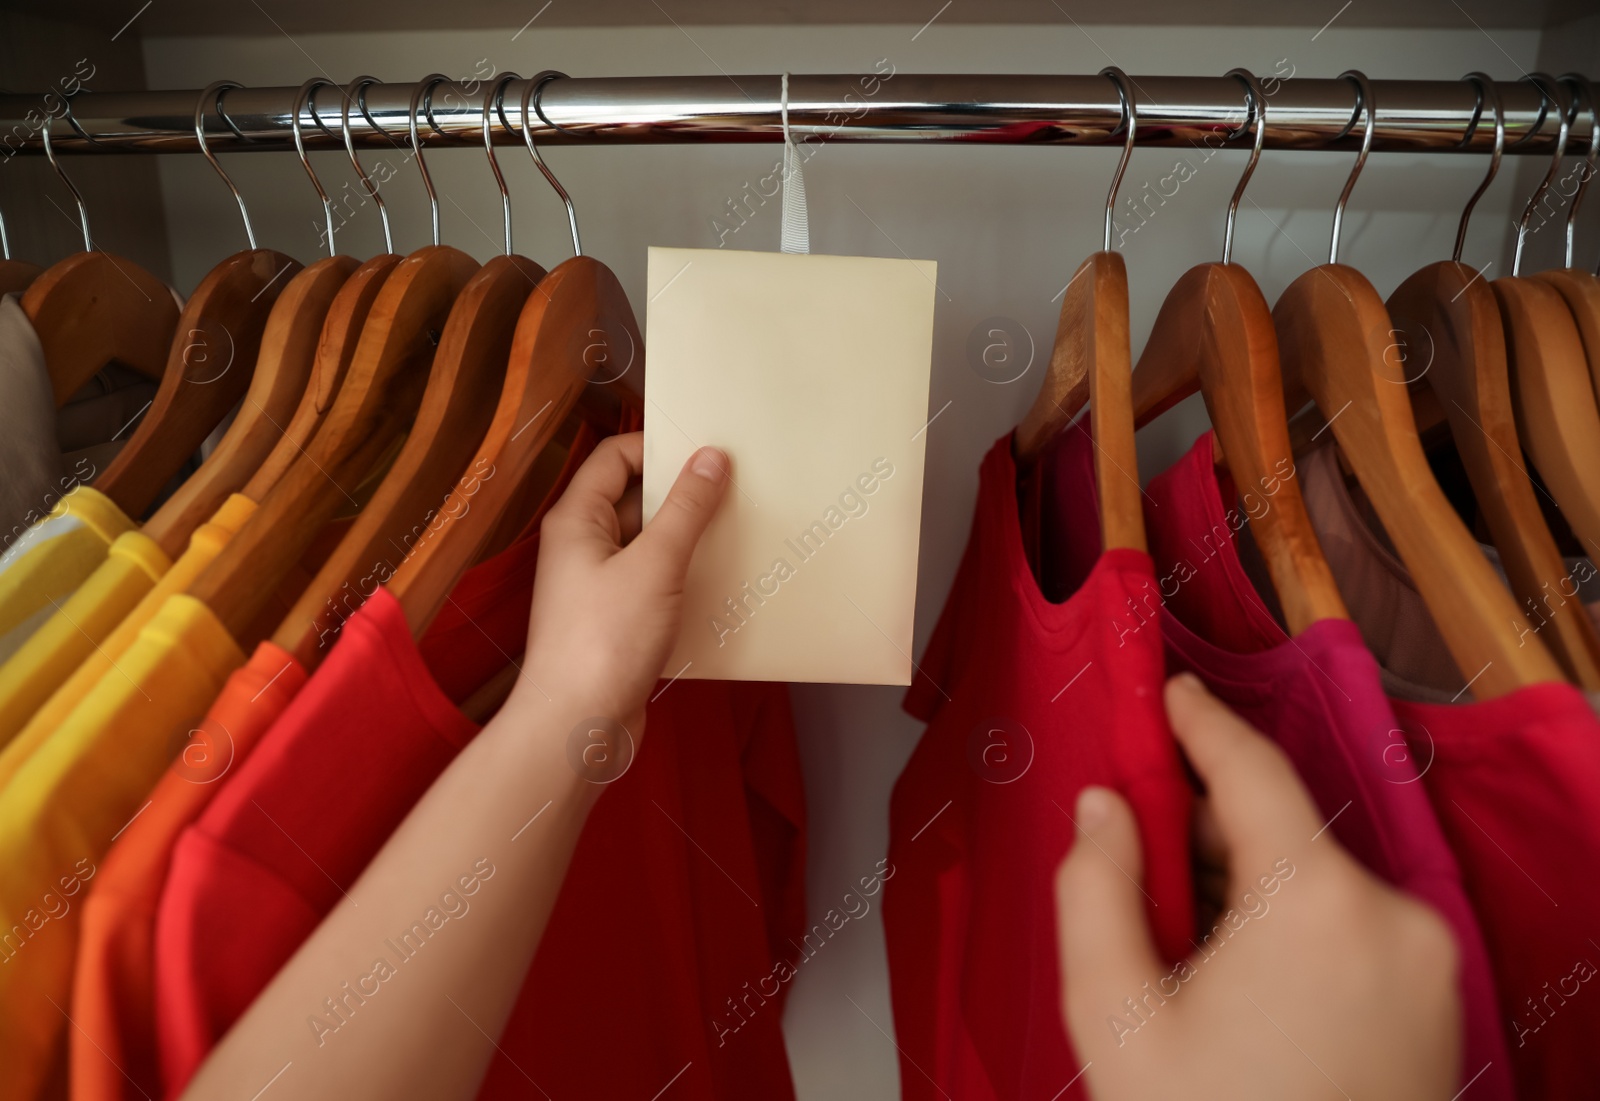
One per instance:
[(1364, 102), (356, 92), (531, 92), (303, 100), (1550, 95), (1488, 95), (77, 196), (1583, 88), (495, 99), (213, 94), (1257, 107), (424, 90), (1130, 119)]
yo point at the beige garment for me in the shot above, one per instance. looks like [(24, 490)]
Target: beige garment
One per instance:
[(1377, 588), (30, 455)]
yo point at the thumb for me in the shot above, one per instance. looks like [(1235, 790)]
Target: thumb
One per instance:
[(671, 535), (1262, 809), (1105, 946)]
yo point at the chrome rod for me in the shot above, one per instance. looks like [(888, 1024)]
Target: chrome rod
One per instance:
[(1307, 113)]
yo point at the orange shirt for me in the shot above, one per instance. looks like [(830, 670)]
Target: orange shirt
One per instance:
[(113, 1047)]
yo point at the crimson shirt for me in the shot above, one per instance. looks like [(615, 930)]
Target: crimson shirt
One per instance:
[(1027, 702)]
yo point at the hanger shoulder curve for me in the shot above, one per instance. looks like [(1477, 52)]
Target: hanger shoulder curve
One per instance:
[(1557, 417), (1064, 390), (94, 308), (376, 400), (1451, 312), (1334, 334), (1214, 333), (463, 388), (1581, 289), (17, 275), (209, 366), (336, 347), (1089, 363), (577, 308), (281, 378)]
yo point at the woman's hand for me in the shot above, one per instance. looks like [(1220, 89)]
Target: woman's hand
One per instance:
[(1316, 981), (609, 597)]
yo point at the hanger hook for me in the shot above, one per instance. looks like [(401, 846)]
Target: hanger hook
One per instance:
[(356, 91), (1256, 105), (1130, 119), (302, 100), (1488, 95), (532, 91), (77, 196), (1547, 96), (424, 90), (1364, 102), (1582, 87), (495, 99), (213, 94)]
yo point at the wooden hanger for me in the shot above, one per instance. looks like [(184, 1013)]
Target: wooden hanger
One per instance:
[(93, 309), (1554, 396), (575, 320), (376, 403), (467, 378), (1090, 361), (1214, 334), (341, 330), (377, 400), (468, 372), (17, 275), (211, 360), (1333, 338), (1581, 291), (281, 378), (1453, 312), (579, 304)]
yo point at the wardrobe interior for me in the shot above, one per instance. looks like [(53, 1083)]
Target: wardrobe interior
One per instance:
[(1007, 224)]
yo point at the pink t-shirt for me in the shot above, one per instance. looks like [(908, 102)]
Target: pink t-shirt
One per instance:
[(1319, 695)]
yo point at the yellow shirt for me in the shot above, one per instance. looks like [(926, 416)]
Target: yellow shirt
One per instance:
[(68, 652), (70, 799), (52, 558)]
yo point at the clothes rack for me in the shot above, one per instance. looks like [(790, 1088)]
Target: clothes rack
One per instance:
[(1304, 113)]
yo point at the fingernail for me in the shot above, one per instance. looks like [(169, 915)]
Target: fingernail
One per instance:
[(1188, 682), (710, 463), (1094, 808)]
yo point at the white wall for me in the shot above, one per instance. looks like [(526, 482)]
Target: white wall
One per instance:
[(1007, 226)]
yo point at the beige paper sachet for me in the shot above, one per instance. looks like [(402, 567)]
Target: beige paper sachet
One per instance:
[(811, 372)]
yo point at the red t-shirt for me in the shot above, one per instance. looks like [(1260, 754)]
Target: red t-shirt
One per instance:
[(722, 883), (1318, 695), (1027, 702), (361, 743), (1515, 782)]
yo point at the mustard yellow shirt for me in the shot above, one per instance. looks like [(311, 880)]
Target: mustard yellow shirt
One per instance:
[(67, 802), (52, 558), (84, 637)]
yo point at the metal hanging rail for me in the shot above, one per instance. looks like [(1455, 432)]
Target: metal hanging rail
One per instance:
[(1303, 113)]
